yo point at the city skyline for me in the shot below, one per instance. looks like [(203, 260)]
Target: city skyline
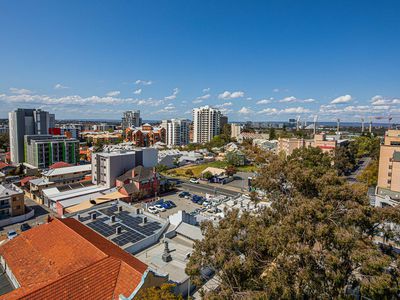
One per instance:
[(259, 61)]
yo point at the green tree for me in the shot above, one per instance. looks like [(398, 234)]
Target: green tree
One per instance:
[(189, 172), (315, 241), (272, 134), (208, 175), (4, 141), (344, 160), (165, 292), (370, 174), (230, 170), (161, 168), (234, 158)]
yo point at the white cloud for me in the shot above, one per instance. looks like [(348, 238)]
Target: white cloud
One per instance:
[(173, 96), (288, 99), (342, 99), (264, 101), (196, 101), (143, 82), (309, 100), (226, 104), (295, 110), (204, 97), (229, 95), (269, 111), (59, 86), (275, 90), (113, 93), (206, 90), (20, 91), (245, 111), (137, 92)]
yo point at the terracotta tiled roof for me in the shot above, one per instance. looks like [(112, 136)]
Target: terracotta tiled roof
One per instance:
[(60, 164), (64, 259), (3, 165)]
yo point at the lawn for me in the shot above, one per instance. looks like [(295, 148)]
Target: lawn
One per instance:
[(197, 169)]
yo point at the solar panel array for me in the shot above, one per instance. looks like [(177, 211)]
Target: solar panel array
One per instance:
[(132, 227)]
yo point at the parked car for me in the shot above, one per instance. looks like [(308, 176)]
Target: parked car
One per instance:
[(152, 209), (206, 203), (183, 194), (25, 227), (159, 207), (168, 204), (12, 234), (194, 180)]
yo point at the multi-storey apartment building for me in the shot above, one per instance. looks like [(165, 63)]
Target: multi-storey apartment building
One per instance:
[(236, 129), (388, 189), (11, 201), (206, 124), (41, 151), (177, 131), (107, 166), (26, 122), (131, 118)]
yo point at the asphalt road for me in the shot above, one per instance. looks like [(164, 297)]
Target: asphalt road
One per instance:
[(364, 162), (210, 189)]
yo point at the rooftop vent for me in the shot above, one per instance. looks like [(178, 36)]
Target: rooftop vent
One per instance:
[(119, 208), (166, 255), (93, 216), (137, 211), (112, 219), (78, 216), (144, 220), (118, 230)]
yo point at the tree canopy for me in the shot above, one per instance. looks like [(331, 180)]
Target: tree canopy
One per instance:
[(317, 240)]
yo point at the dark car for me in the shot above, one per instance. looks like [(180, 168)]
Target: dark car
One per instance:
[(170, 204), (25, 227), (183, 194)]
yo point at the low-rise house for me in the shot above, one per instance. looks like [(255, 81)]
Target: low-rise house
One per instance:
[(57, 177), (65, 259), (266, 144), (6, 168), (251, 136), (140, 182), (12, 202)]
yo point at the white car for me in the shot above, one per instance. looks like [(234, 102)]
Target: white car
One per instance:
[(152, 209), (159, 207), (206, 203), (194, 180)]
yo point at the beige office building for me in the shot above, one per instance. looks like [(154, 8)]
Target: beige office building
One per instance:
[(388, 189)]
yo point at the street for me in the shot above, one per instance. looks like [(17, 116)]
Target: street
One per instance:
[(364, 162), (208, 188)]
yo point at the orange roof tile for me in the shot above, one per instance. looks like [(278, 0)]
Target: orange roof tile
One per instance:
[(59, 165), (64, 259)]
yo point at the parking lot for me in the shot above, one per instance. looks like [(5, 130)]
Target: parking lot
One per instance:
[(181, 204)]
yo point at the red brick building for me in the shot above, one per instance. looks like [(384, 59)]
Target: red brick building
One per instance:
[(145, 136)]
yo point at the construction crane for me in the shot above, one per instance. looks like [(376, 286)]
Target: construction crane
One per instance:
[(388, 117), (315, 124), (362, 125), (298, 123)]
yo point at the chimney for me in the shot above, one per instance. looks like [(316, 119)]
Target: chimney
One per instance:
[(119, 208), (118, 230), (166, 255), (144, 220), (93, 216), (112, 219)]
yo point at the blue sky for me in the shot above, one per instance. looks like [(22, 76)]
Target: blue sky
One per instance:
[(256, 60)]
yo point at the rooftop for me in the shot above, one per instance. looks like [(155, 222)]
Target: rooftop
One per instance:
[(135, 225), (8, 190), (82, 265), (67, 170), (60, 164)]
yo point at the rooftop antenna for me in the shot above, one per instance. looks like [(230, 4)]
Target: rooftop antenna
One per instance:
[(362, 125), (315, 123)]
